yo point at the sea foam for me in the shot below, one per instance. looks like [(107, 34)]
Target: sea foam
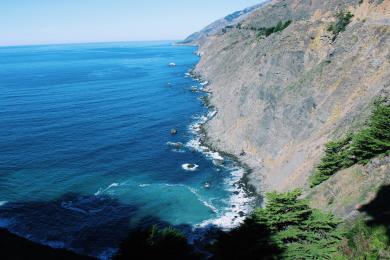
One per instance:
[(240, 204), (101, 191)]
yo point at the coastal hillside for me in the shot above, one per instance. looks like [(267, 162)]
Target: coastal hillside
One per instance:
[(216, 27), (292, 76)]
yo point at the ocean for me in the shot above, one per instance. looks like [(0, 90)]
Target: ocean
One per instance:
[(86, 150)]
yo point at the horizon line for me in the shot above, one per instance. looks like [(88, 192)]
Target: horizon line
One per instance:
[(87, 42)]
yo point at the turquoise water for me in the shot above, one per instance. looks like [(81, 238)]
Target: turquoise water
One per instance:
[(86, 150)]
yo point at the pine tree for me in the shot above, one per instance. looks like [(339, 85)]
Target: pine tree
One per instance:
[(358, 147)]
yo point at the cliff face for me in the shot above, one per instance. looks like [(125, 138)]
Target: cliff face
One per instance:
[(281, 98)]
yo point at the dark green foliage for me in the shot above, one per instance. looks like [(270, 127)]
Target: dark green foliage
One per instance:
[(317, 237), (364, 242), (155, 243), (343, 18), (336, 158), (375, 139), (287, 228), (359, 147), (368, 236), (252, 240), (280, 26), (302, 233), (282, 210)]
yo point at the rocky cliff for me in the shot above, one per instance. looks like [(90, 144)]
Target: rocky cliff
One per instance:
[(282, 96), (216, 27)]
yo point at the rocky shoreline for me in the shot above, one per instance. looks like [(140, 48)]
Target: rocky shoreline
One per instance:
[(251, 180), (243, 187)]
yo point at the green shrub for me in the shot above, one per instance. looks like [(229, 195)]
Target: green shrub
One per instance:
[(343, 18), (375, 139), (336, 157), (302, 233), (267, 31), (364, 242), (358, 147), (286, 228)]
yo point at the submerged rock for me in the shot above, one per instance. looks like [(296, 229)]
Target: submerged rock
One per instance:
[(190, 167), (173, 131), (177, 145)]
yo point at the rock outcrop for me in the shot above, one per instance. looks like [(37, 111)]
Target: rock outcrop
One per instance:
[(281, 98)]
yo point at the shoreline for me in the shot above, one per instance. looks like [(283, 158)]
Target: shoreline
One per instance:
[(239, 180), (253, 178), (208, 143)]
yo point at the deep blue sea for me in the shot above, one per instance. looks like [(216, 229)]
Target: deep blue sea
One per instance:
[(86, 151)]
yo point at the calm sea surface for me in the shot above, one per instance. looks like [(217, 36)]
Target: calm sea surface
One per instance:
[(85, 145)]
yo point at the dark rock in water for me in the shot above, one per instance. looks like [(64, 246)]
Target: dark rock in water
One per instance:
[(236, 192), (241, 213), (243, 153), (191, 166), (206, 185), (177, 145), (173, 131), (194, 89)]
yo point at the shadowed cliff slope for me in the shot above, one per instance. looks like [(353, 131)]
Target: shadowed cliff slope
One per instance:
[(281, 98)]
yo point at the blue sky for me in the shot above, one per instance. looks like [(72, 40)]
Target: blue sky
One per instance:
[(71, 21)]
